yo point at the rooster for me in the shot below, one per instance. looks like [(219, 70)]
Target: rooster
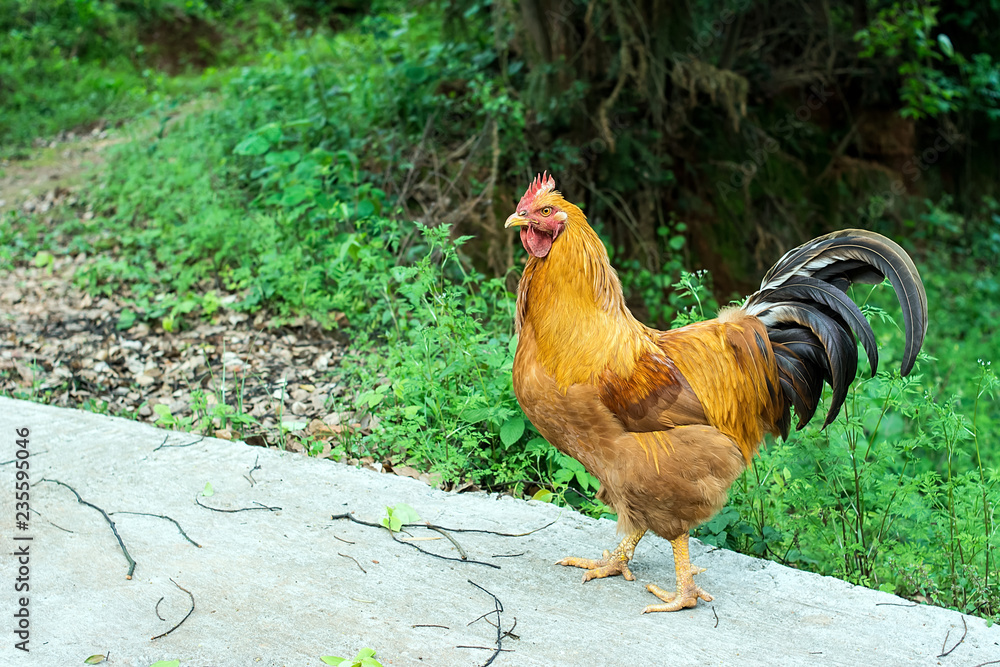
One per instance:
[(667, 420)]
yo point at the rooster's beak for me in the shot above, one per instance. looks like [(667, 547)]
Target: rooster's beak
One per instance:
[(515, 220)]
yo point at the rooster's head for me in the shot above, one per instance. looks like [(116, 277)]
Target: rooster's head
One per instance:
[(541, 214)]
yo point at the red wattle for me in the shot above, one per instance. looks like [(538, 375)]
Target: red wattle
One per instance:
[(536, 242)]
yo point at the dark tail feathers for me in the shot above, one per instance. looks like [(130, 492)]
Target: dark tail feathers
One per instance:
[(814, 327)]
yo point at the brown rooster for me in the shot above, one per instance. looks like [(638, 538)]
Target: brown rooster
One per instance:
[(667, 420)]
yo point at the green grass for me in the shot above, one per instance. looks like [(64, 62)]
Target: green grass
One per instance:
[(279, 187)]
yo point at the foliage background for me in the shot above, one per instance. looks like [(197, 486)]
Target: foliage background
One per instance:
[(353, 161)]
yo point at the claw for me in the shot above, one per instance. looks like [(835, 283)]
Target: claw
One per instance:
[(612, 562), (682, 599), (688, 593), (598, 569)]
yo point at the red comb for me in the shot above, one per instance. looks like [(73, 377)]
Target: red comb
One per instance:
[(542, 183)]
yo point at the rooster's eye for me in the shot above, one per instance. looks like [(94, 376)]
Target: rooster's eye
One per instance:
[(546, 210)]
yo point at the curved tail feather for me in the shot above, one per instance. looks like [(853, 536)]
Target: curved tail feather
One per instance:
[(814, 327)]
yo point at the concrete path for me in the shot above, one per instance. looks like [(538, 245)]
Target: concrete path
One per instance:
[(285, 586)]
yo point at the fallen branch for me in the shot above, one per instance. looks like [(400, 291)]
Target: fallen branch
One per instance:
[(164, 445), (157, 608), (190, 611), (355, 561), (242, 509), (161, 516), (430, 625), (510, 633), (249, 475), (28, 457), (432, 526), (131, 563), (965, 631), (461, 551), (348, 516), (497, 609), (65, 530)]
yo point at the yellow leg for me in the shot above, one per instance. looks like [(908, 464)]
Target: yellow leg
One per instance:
[(687, 591), (614, 562)]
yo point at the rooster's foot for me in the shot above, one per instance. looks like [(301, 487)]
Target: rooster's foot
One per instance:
[(684, 597), (614, 562), (598, 569)]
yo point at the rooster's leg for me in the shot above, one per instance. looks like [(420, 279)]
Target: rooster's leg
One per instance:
[(687, 591), (614, 562)]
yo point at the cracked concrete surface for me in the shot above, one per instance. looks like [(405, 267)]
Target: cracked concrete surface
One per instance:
[(286, 586)]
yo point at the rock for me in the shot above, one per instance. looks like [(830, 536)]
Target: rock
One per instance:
[(12, 295)]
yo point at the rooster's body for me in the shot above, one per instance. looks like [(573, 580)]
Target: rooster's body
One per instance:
[(667, 420)]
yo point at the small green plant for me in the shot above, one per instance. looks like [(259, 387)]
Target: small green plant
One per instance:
[(364, 658), (398, 516)]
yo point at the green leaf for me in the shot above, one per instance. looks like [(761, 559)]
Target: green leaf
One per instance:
[(370, 652), (370, 662), (537, 446), (44, 258), (125, 319), (512, 431), (332, 660), (476, 415), (166, 663), (163, 411), (208, 490), (252, 145), (677, 242), (283, 158), (95, 659), (543, 495), (293, 425), (945, 45), (271, 132), (405, 513)]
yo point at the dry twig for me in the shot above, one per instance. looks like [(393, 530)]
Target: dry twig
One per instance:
[(131, 563), (461, 551), (497, 609), (242, 509), (161, 516), (349, 517), (190, 611), (157, 608), (249, 475), (355, 561), (965, 631), (164, 445)]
